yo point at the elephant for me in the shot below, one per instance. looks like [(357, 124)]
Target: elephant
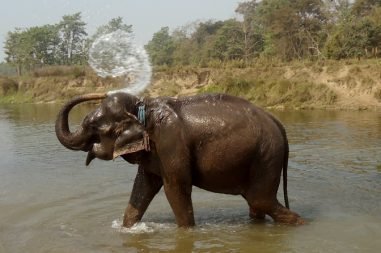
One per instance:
[(217, 142)]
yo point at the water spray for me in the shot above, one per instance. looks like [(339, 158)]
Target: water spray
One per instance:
[(115, 54)]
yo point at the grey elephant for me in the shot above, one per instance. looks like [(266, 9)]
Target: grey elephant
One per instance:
[(216, 142)]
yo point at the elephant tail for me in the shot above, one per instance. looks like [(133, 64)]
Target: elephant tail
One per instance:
[(285, 165), (285, 159)]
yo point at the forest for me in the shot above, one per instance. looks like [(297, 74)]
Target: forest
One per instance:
[(282, 29), (285, 30)]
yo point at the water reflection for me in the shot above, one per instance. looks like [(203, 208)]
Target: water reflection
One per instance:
[(213, 238), (43, 113)]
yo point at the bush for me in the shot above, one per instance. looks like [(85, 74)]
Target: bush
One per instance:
[(7, 86)]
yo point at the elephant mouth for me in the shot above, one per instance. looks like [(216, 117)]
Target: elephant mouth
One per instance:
[(98, 151), (90, 156)]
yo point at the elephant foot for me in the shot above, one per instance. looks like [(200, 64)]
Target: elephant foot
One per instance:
[(255, 214), (128, 223), (131, 216), (283, 215)]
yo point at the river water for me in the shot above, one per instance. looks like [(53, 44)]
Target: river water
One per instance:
[(51, 202)]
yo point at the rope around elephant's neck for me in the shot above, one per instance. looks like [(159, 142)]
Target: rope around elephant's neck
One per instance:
[(142, 114)]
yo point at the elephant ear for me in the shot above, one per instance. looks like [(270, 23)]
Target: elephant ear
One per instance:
[(130, 140)]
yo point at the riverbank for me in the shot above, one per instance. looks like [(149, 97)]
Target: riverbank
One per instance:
[(352, 85), (53, 84)]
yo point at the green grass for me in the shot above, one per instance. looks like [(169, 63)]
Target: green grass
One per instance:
[(16, 99)]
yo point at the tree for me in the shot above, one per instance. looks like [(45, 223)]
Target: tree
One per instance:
[(183, 47), (229, 43), (35, 46), (112, 26), (47, 45), (202, 40), (161, 48), (355, 36), (253, 37), (13, 52), (44, 44), (72, 33), (294, 26)]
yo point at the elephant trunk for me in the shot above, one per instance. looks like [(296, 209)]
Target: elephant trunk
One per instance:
[(78, 139)]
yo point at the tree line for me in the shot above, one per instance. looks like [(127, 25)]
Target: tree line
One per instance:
[(281, 29), (64, 43)]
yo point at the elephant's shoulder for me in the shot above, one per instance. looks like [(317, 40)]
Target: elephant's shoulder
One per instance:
[(164, 111)]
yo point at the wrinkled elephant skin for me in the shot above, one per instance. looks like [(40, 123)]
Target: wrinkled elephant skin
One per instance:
[(216, 142)]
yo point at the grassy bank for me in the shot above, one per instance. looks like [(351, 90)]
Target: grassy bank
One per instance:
[(329, 84), (54, 84), (325, 85)]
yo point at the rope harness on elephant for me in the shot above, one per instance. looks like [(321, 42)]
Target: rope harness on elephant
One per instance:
[(142, 114), (142, 120)]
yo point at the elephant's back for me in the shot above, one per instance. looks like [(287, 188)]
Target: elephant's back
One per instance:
[(217, 122), (221, 113)]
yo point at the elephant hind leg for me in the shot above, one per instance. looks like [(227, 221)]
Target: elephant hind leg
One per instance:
[(262, 203), (279, 213), (261, 194), (283, 215), (256, 214)]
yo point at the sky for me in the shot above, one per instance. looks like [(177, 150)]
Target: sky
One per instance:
[(146, 16)]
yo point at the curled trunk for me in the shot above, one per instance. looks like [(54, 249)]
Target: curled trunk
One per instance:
[(78, 139)]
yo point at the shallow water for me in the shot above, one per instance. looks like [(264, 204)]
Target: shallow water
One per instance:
[(51, 202)]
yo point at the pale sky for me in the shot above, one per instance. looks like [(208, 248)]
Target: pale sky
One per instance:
[(146, 16)]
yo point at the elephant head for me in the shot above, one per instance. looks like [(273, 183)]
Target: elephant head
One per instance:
[(110, 130)]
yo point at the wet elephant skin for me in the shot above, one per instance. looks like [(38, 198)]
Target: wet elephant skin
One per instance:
[(217, 142)]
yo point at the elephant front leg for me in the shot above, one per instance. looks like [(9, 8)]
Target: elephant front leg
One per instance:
[(146, 186), (179, 197), (176, 170)]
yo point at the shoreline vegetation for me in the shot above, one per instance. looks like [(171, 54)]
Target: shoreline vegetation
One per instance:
[(306, 54), (331, 84)]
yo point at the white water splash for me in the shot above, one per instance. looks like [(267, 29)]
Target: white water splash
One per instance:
[(115, 54), (141, 227)]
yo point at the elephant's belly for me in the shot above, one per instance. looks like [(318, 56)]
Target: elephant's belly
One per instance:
[(222, 175), (221, 182), (224, 165)]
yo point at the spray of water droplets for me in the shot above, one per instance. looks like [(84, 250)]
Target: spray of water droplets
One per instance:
[(115, 54), (142, 227)]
